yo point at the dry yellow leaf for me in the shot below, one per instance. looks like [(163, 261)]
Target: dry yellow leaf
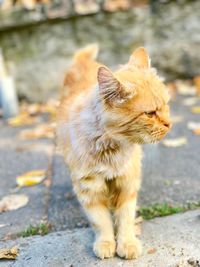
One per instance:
[(21, 120), (197, 84), (195, 109), (41, 131), (13, 202), (190, 101), (196, 131), (31, 178), (33, 109), (152, 251), (52, 110), (37, 108), (8, 253), (176, 142)]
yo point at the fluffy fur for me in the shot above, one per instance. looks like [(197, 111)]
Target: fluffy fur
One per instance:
[(102, 120)]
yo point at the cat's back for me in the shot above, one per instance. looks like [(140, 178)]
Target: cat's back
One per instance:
[(81, 76)]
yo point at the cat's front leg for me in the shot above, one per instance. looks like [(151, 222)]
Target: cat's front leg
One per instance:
[(92, 193), (104, 245), (128, 245)]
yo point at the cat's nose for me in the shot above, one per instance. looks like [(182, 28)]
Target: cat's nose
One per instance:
[(168, 124)]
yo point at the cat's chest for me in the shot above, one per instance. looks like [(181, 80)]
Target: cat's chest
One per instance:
[(116, 163), (116, 167), (101, 155)]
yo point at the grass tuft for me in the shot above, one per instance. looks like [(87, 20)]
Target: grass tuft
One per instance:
[(40, 229), (160, 210)]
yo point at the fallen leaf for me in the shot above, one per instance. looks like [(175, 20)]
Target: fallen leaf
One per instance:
[(116, 5), (152, 251), (193, 125), (21, 120), (13, 202), (185, 87), (9, 253), (176, 119), (41, 131), (190, 101), (196, 131), (195, 109), (197, 84), (31, 109), (176, 182), (36, 108), (31, 178), (176, 142), (52, 110)]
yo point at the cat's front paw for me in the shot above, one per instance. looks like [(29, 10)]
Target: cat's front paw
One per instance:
[(104, 249), (129, 249)]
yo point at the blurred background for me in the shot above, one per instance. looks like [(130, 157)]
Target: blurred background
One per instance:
[(37, 42), (38, 37)]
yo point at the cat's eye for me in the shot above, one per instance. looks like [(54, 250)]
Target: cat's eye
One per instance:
[(150, 113)]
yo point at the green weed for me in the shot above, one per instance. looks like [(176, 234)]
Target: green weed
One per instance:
[(40, 229)]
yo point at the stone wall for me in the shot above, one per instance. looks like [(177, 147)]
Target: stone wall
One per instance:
[(37, 56), (16, 14)]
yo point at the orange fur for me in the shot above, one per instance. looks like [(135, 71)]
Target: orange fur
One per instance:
[(102, 120)]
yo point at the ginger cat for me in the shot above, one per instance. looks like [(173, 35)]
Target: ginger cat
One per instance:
[(103, 119)]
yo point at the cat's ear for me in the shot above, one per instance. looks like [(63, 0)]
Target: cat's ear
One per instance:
[(111, 90), (88, 52), (140, 58)]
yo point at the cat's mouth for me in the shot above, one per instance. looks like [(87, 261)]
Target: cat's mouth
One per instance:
[(160, 134), (148, 137), (155, 136)]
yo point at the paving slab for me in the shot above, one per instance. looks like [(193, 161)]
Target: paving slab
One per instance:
[(171, 241), (64, 211), (16, 158), (171, 174)]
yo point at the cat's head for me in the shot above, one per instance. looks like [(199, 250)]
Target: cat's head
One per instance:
[(135, 100)]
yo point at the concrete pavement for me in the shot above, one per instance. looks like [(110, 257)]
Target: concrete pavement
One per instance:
[(169, 175), (167, 242), (16, 158)]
